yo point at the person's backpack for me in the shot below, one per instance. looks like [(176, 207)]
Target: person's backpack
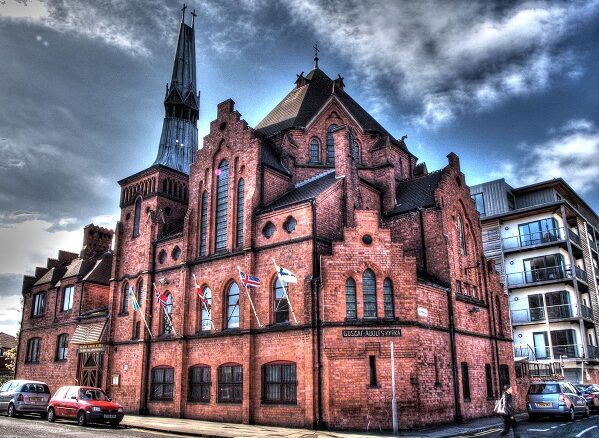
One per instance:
[(500, 408)]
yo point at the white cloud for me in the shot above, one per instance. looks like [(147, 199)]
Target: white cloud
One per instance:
[(571, 153), (10, 314), (467, 56)]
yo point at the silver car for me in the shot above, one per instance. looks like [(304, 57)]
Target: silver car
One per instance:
[(24, 396), (555, 398)]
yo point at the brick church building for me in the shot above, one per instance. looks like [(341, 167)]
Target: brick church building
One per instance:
[(382, 250)]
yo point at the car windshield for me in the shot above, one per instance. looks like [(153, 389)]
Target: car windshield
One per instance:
[(544, 388), (35, 387), (92, 394)]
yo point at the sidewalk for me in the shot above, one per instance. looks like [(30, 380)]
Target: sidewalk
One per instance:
[(211, 429)]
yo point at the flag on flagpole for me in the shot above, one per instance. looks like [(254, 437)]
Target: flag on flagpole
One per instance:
[(285, 274), (248, 280), (199, 291), (136, 307)]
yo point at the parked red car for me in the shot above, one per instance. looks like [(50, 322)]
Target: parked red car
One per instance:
[(85, 404)]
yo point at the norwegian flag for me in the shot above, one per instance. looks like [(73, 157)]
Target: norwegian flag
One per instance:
[(248, 280), (199, 291)]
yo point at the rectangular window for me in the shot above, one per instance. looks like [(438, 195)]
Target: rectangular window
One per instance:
[(67, 298), (535, 307), (33, 350), (199, 384), (39, 304), (230, 384), (558, 305), (372, 362), (163, 380), (62, 347), (279, 384), (480, 203), (544, 268), (465, 382), (489, 376), (537, 232), (564, 344)]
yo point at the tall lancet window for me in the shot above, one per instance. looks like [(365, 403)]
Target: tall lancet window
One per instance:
[(314, 151), (203, 223), (369, 291), (168, 315), (240, 199), (137, 217), (331, 145), (222, 204)]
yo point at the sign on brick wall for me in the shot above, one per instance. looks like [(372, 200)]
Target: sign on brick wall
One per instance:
[(370, 333)]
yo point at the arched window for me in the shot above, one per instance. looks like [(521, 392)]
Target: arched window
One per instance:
[(232, 306), (354, 146), (350, 299), (167, 318), (331, 145), (203, 223), (205, 317), (125, 299), (369, 291), (140, 291), (230, 383), (281, 305), (356, 151), (314, 151), (240, 200), (222, 185), (388, 298), (461, 235), (163, 381), (137, 217), (62, 347)]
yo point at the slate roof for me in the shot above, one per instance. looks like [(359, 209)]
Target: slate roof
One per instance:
[(303, 191), (101, 271), (7, 341), (302, 104), (52, 276), (270, 157), (417, 192)]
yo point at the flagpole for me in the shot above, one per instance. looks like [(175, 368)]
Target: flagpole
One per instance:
[(209, 312), (249, 297), (166, 313), (284, 284), (132, 293)]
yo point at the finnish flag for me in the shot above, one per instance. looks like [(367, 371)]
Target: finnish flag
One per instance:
[(285, 274)]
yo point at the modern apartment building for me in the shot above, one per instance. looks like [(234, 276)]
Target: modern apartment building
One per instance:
[(543, 238)]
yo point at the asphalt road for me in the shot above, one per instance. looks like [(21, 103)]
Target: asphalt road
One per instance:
[(35, 427), (555, 427)]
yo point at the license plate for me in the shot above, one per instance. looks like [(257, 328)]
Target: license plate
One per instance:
[(543, 405), (35, 399), (109, 415)]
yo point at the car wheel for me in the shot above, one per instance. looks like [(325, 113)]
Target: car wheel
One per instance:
[(81, 420), (12, 412), (51, 415), (572, 414)]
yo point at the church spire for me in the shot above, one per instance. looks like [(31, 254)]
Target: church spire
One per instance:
[(316, 50), (179, 139)]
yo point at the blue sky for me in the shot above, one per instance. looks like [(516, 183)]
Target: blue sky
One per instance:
[(511, 87)]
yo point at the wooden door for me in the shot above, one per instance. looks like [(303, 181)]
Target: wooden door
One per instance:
[(90, 369)]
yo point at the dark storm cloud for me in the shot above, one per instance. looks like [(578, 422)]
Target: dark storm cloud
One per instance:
[(10, 284)]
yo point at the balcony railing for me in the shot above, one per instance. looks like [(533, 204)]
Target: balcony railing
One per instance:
[(581, 274), (560, 351), (537, 275), (593, 244), (532, 239), (561, 311), (593, 351), (573, 237)]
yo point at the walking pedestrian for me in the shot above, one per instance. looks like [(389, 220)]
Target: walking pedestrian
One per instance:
[(507, 411)]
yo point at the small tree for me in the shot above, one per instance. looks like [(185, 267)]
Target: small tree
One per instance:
[(11, 359)]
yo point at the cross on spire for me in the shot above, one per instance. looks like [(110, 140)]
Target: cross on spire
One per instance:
[(183, 12), (193, 18), (316, 50)]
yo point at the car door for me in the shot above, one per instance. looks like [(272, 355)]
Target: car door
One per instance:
[(58, 401), (70, 403), (577, 400), (3, 399)]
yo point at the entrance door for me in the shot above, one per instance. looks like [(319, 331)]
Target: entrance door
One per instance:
[(90, 369)]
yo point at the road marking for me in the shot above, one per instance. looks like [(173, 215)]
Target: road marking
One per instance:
[(563, 424), (486, 432), (586, 430), (554, 427), (538, 430)]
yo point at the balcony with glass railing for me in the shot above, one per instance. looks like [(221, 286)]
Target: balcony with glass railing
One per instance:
[(539, 238), (551, 273), (558, 312), (559, 352), (593, 245)]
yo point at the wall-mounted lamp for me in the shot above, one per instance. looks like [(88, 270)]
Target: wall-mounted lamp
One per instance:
[(163, 281)]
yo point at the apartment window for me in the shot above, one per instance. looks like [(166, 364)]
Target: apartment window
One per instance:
[(240, 198), (206, 317), (504, 375), (331, 145), (564, 344), (62, 347), (372, 364), (222, 202), (314, 151), (479, 200), (232, 306), (369, 292), (388, 298), (125, 299), (33, 350), (281, 304), (279, 383), (203, 223), (199, 384), (163, 380), (167, 318), (39, 304), (461, 235), (350, 299), (536, 307), (137, 217), (68, 294), (558, 305), (537, 232), (544, 268), (465, 382), (230, 384), (489, 379)]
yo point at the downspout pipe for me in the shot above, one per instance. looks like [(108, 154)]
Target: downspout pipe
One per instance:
[(457, 417), (422, 243), (148, 339), (316, 283)]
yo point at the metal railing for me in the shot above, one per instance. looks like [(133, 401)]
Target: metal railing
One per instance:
[(593, 244), (560, 351), (581, 274), (561, 311), (537, 275), (586, 311), (593, 351), (573, 237), (536, 238)]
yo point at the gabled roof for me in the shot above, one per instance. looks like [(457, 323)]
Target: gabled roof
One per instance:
[(303, 103), (7, 341), (101, 271), (52, 276), (417, 192), (271, 158), (303, 191)]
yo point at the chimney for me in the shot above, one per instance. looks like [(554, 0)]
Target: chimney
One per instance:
[(96, 240)]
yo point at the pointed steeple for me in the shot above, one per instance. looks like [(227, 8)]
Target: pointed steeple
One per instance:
[(179, 139)]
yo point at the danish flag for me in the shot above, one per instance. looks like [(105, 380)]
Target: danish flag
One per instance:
[(199, 291)]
